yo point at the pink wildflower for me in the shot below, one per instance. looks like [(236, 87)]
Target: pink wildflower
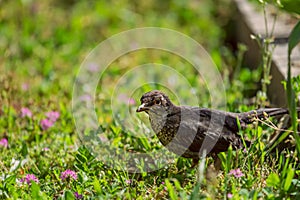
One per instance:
[(85, 97), (125, 99), (78, 196), (52, 116), (68, 173), (93, 67), (131, 101), (46, 124), (45, 149), (25, 86), (229, 195), (4, 142), (25, 112), (28, 178), (236, 172)]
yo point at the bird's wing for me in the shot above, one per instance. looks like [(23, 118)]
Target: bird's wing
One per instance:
[(219, 118), (219, 127)]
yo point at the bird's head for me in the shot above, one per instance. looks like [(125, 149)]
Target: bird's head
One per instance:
[(154, 102)]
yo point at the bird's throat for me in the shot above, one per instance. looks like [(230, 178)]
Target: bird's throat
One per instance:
[(157, 121)]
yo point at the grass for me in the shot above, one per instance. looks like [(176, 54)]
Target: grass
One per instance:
[(44, 43)]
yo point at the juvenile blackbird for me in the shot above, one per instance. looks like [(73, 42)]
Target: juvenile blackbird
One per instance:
[(183, 129)]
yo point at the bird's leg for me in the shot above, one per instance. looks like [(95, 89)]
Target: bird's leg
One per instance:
[(217, 162), (195, 162)]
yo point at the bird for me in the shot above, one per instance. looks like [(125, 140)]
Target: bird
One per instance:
[(190, 131)]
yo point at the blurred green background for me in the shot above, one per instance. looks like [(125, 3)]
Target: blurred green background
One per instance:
[(44, 43)]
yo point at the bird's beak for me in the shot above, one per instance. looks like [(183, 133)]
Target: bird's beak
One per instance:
[(142, 107)]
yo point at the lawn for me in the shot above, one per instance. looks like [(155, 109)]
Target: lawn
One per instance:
[(68, 126)]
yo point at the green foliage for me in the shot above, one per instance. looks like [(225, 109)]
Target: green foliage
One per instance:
[(43, 44), (284, 184), (291, 6), (291, 84), (294, 39), (273, 180), (68, 195)]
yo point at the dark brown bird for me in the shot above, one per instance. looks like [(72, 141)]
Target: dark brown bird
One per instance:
[(190, 131)]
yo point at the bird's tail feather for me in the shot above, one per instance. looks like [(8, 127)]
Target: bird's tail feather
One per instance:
[(270, 112), (273, 112), (262, 113)]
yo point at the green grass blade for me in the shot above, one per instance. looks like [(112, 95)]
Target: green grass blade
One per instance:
[(289, 178), (294, 39)]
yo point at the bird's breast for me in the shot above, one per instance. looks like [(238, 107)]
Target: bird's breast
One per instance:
[(165, 129)]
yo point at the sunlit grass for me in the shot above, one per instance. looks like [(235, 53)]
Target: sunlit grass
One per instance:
[(43, 44)]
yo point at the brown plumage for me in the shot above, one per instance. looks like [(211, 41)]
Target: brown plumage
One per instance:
[(183, 129)]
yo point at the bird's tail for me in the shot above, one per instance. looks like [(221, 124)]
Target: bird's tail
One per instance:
[(270, 112), (274, 111), (263, 113)]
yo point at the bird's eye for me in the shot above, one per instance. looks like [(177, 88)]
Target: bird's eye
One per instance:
[(157, 101)]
